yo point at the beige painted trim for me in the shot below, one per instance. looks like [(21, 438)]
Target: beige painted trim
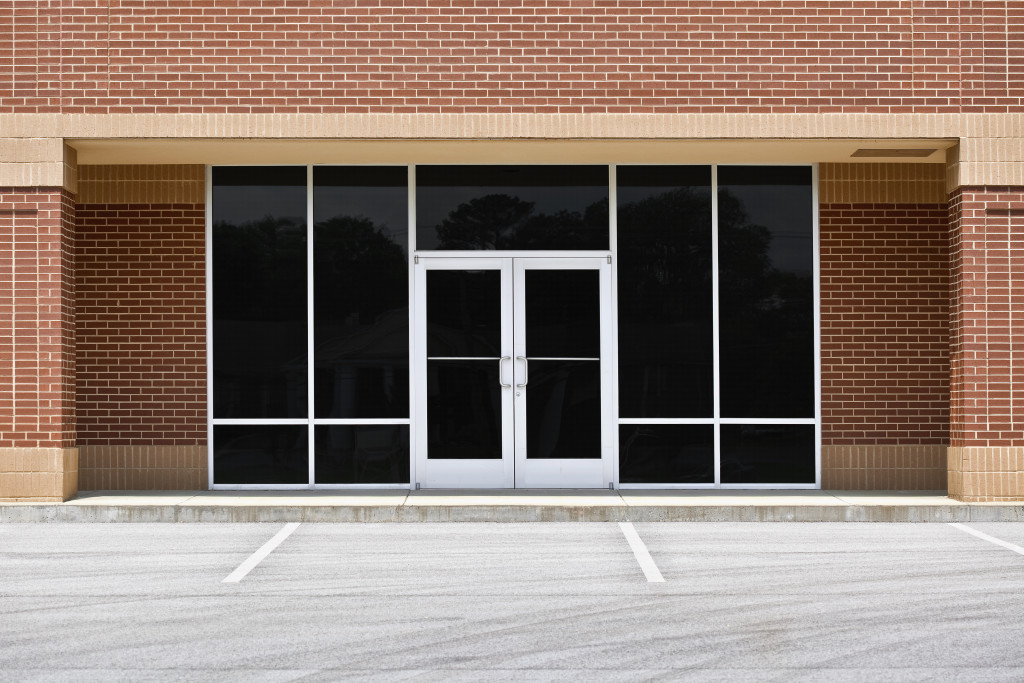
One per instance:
[(110, 152), (512, 126)]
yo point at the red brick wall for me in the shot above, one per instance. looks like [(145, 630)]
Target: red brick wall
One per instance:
[(884, 324), (37, 343), (528, 56), (141, 324), (987, 345)]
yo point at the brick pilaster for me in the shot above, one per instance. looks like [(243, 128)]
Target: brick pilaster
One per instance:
[(38, 459), (986, 456)]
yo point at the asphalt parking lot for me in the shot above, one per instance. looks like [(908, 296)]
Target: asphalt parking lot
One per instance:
[(91, 602)]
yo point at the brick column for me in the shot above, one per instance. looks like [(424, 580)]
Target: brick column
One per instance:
[(38, 458), (986, 454)]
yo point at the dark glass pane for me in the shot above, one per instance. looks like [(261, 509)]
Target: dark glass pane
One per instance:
[(260, 454), (361, 281), (463, 409), (563, 409), (563, 314), (767, 454), (667, 454), (766, 291), (512, 207), (666, 347), (464, 313), (362, 454), (259, 292)]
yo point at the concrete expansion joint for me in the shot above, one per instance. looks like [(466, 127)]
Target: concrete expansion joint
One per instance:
[(513, 507)]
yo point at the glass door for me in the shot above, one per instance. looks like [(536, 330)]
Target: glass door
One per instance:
[(562, 385), (512, 373)]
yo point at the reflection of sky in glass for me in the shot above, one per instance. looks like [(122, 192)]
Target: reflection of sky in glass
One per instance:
[(787, 213), (240, 204), (385, 207)]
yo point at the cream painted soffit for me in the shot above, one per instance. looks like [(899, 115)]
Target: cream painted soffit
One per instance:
[(513, 126)]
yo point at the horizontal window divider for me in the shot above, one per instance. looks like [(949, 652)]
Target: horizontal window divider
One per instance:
[(362, 421), (260, 421), (666, 420), (554, 358), (463, 358), (768, 420), (511, 253)]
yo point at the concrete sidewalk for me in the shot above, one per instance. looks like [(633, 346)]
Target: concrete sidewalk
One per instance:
[(512, 506)]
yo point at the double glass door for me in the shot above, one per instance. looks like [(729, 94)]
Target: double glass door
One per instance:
[(513, 373)]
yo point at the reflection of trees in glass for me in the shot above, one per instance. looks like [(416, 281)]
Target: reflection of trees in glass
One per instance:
[(665, 244), (665, 304), (362, 322), (501, 221), (767, 318), (259, 269), (360, 270)]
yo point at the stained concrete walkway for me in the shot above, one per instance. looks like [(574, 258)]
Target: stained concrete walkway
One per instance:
[(512, 506)]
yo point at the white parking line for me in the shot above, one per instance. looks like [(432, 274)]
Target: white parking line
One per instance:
[(640, 552), (257, 557), (991, 539)]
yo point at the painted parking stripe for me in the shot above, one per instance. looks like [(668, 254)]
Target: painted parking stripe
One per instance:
[(257, 557), (643, 557), (991, 539)]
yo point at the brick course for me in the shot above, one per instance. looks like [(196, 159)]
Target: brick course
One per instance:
[(537, 56)]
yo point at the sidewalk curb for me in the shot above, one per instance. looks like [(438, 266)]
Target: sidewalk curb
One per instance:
[(71, 513)]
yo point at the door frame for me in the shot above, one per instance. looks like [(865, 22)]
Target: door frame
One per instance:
[(513, 469)]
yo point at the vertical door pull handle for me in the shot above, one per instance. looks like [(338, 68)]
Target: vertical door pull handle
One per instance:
[(526, 372), (500, 361)]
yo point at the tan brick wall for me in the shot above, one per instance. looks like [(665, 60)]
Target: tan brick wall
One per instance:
[(142, 468), (882, 184), (980, 474), (38, 474), (891, 468)]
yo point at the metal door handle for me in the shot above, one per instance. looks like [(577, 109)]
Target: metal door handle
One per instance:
[(526, 372), (500, 361)]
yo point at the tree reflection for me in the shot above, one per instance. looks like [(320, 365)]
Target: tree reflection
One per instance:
[(503, 221)]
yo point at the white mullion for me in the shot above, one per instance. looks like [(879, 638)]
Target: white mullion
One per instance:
[(412, 355), (766, 421), (816, 277), (342, 421), (310, 339), (613, 322), (715, 325), (260, 421), (209, 325), (666, 421)]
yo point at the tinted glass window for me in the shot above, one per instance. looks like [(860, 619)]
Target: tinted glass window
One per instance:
[(362, 454), (511, 207), (667, 454), (361, 286), (260, 454), (259, 292), (766, 291), (665, 291), (767, 454)]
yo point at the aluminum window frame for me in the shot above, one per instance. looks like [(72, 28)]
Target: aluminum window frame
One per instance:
[(413, 255)]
